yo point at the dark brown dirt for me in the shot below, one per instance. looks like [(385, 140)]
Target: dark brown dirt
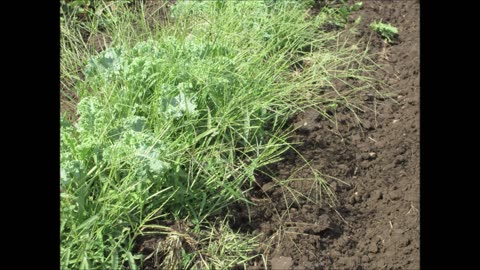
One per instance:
[(375, 223)]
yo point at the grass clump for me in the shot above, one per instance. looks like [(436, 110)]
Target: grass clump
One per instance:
[(173, 122)]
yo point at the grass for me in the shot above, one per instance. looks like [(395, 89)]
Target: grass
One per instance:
[(172, 121)]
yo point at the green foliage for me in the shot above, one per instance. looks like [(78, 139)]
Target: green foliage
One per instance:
[(385, 30), (174, 122), (86, 9), (337, 15), (77, 7)]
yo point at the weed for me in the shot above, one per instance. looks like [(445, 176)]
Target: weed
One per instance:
[(385, 30), (336, 15)]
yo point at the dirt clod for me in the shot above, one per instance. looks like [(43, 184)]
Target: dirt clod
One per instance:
[(281, 263)]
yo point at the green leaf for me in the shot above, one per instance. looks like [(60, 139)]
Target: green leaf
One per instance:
[(88, 223), (131, 261), (356, 6)]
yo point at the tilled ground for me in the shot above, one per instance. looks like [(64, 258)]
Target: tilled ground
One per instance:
[(376, 222)]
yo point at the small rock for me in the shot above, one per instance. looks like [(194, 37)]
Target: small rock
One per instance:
[(368, 97), (343, 167), (373, 248), (364, 146), (400, 150), (364, 156), (398, 232), (372, 155), (364, 164), (388, 167), (379, 144), (323, 223), (404, 242), (266, 229), (353, 199), (268, 186), (379, 263), (365, 259), (305, 127), (411, 101), (368, 125), (335, 254), (349, 262), (400, 159), (335, 186), (377, 195), (356, 138), (395, 195), (281, 263), (395, 121), (307, 208), (308, 265)]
